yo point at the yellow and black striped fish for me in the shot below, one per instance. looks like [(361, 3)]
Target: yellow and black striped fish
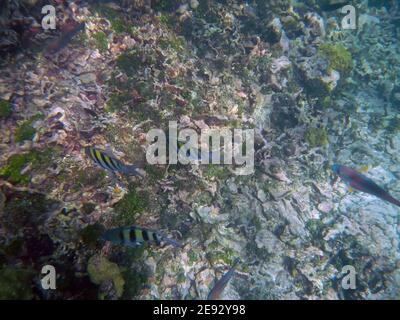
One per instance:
[(136, 236), (110, 163)]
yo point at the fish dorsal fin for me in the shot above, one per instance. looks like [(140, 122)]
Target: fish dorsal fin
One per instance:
[(109, 152)]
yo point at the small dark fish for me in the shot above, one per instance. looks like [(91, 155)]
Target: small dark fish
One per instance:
[(362, 183), (69, 31), (220, 285), (110, 163), (333, 5), (135, 236)]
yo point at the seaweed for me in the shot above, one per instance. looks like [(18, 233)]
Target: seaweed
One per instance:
[(339, 58), (91, 234), (130, 206), (316, 137), (101, 270), (16, 283), (5, 109), (26, 131), (100, 41)]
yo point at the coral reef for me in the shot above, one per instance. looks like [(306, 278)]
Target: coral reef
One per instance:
[(101, 270), (339, 58), (5, 109), (15, 283), (313, 93)]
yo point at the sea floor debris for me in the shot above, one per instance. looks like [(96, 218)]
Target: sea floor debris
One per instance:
[(314, 94)]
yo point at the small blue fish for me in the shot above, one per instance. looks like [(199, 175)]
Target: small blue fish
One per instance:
[(362, 183), (111, 163), (220, 285), (135, 236)]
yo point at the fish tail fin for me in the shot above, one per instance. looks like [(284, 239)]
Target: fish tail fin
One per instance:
[(87, 152), (386, 196), (172, 242), (131, 170), (394, 201)]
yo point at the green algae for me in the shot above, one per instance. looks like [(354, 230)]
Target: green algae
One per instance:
[(15, 283), (292, 26), (167, 19), (134, 94), (145, 89), (316, 228), (213, 171), (117, 23), (100, 41), (3, 199), (91, 234), (174, 43), (129, 62), (12, 170), (164, 5), (5, 109), (100, 270), (180, 278), (226, 255), (326, 102), (132, 61), (256, 221), (135, 279), (193, 257), (204, 198), (132, 204), (82, 39), (339, 58), (26, 131), (116, 101), (154, 173), (134, 271), (316, 137), (17, 162), (89, 177)]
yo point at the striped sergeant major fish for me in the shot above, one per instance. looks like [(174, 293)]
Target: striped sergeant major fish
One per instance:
[(362, 183), (220, 285), (135, 236), (110, 163)]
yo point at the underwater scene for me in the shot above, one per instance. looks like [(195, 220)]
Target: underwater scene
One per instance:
[(199, 149)]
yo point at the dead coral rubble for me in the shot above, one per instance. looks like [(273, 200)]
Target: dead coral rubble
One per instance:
[(288, 72)]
